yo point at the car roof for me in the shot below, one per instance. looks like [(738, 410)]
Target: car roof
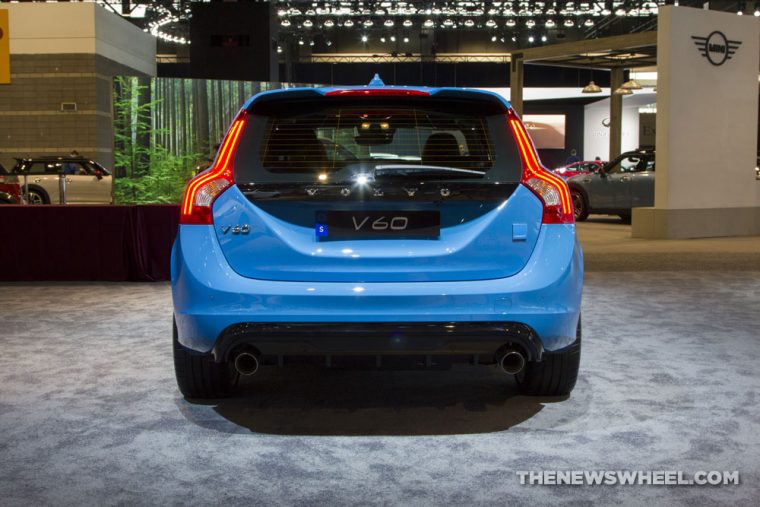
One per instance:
[(440, 93)]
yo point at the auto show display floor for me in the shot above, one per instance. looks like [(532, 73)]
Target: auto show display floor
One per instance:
[(90, 414), (608, 246)]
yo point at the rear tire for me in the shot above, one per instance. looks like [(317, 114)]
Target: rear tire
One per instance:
[(198, 375), (580, 206), (556, 374)]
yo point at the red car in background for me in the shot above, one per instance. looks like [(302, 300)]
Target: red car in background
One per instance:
[(10, 189), (582, 167)]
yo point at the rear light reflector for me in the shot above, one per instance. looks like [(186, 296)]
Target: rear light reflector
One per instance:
[(550, 188), (378, 92), (207, 186)]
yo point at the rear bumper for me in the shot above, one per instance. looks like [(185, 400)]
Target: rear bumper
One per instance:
[(467, 339), (210, 299)]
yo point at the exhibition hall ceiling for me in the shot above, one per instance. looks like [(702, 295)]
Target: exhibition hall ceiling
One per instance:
[(383, 24)]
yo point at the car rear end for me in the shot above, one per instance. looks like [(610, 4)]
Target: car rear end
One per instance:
[(10, 189), (383, 226)]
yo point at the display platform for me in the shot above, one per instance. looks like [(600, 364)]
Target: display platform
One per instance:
[(87, 243)]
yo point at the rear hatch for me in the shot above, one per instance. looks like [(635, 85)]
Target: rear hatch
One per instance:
[(377, 189)]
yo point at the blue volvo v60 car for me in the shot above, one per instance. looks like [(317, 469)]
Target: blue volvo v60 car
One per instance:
[(391, 226)]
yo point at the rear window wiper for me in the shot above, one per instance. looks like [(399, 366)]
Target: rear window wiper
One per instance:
[(387, 171)]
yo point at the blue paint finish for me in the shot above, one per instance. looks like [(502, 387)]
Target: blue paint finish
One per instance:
[(474, 243), (209, 296), (519, 232), (492, 262)]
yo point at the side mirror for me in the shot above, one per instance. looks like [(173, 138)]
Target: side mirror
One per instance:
[(99, 174)]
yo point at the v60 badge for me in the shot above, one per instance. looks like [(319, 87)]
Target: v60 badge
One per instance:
[(236, 229)]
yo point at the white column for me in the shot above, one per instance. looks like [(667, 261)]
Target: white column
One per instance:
[(707, 114)]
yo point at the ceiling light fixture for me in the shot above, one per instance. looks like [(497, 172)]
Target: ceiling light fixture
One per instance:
[(591, 87)]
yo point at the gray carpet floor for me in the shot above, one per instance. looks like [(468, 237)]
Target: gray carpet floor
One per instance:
[(90, 415)]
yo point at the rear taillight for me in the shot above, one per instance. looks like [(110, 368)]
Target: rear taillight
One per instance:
[(207, 186), (551, 189)]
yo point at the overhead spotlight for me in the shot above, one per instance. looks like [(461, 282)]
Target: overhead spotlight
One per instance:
[(490, 23), (368, 23), (382, 39), (406, 40), (429, 23), (300, 42), (393, 38), (329, 43), (588, 22), (740, 9), (550, 23), (279, 49), (494, 38), (388, 23), (622, 91), (531, 38), (469, 23), (407, 23), (502, 39), (448, 22), (514, 39), (530, 23), (329, 23), (569, 23), (757, 10), (631, 84), (348, 23), (543, 38), (285, 22), (511, 22), (308, 23), (607, 12), (620, 12), (311, 43), (365, 38)]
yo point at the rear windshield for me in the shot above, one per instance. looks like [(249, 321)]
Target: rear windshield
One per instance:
[(333, 140)]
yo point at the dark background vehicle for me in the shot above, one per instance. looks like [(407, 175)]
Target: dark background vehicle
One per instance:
[(624, 183)]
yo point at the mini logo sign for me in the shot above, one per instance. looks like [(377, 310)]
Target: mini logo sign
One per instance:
[(716, 47)]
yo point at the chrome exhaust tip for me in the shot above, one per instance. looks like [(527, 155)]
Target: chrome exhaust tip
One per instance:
[(246, 363), (512, 362)]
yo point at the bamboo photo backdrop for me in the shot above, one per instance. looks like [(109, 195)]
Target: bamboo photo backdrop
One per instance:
[(166, 129)]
